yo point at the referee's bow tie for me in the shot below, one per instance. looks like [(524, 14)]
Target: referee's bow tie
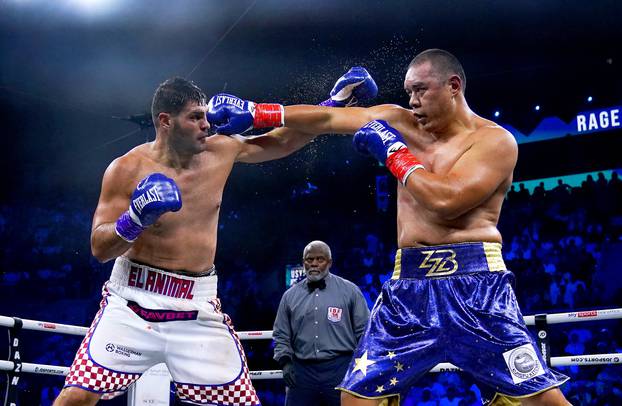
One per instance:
[(321, 284)]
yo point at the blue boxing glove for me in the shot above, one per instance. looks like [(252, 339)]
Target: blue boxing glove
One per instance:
[(355, 85), (155, 195), (386, 144), (229, 114)]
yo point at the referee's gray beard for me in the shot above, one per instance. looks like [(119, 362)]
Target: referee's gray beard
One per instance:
[(315, 278)]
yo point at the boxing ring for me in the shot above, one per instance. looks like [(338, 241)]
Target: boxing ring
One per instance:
[(15, 367)]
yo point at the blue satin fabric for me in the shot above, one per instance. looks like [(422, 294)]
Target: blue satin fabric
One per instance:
[(458, 311)]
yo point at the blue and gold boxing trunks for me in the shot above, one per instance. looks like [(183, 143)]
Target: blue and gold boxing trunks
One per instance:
[(448, 303)]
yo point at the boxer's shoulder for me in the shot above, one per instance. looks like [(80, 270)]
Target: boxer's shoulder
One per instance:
[(491, 134), (135, 157), (485, 127), (225, 143), (130, 167)]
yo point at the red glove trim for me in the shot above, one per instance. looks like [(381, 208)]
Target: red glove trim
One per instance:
[(402, 164), (269, 115)]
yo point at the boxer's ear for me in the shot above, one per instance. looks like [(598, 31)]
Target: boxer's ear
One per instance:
[(455, 84), (164, 119)]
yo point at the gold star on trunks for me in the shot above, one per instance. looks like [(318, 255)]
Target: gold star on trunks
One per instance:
[(391, 355), (399, 367), (380, 389), (394, 381), (362, 363)]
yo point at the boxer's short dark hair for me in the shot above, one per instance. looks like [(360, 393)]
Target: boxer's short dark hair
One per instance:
[(443, 62), (172, 95)]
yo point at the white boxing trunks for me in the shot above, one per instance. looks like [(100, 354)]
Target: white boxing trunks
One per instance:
[(148, 316)]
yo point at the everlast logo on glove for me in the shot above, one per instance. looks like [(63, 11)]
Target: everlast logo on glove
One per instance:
[(440, 262), (149, 196), (224, 99), (384, 133)]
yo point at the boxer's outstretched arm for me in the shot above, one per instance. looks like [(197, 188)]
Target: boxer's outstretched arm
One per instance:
[(327, 120), (230, 115), (275, 144), (475, 177), (305, 122)]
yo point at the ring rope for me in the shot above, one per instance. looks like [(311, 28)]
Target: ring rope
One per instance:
[(592, 359), (553, 318), (572, 317)]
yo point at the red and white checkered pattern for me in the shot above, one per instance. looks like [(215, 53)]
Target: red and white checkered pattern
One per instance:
[(86, 374), (240, 392)]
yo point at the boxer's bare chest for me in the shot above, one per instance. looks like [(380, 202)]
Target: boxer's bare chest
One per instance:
[(438, 155), (417, 224), (201, 186)]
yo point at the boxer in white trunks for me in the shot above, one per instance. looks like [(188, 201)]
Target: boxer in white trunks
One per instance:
[(160, 303)]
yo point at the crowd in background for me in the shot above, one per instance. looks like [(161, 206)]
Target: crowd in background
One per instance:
[(560, 243)]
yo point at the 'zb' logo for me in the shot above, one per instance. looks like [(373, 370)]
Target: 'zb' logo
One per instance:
[(442, 263)]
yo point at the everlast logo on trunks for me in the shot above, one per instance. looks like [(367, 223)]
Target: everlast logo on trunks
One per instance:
[(151, 195), (440, 262), (163, 284)]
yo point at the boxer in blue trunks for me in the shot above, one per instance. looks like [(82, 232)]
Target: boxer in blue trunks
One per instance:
[(448, 303), (451, 297)]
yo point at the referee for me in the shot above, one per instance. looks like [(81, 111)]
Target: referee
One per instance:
[(318, 324)]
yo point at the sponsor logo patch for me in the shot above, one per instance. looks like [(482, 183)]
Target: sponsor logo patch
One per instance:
[(591, 313), (334, 314), (523, 363), (122, 350), (160, 315)]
